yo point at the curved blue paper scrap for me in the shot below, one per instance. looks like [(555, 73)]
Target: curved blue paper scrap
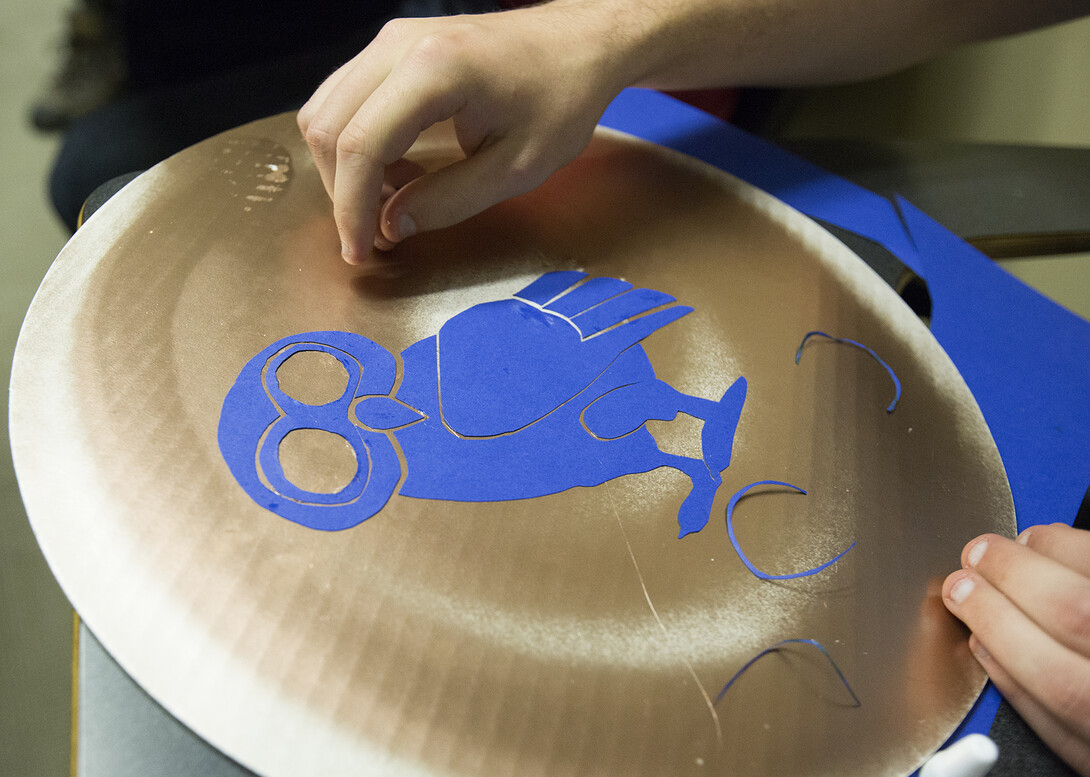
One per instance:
[(780, 646), (738, 548), (875, 356)]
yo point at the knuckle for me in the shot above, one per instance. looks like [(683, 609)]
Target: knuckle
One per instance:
[(534, 162), (394, 31), (528, 169), (348, 226), (449, 47), (353, 141), (1073, 608), (320, 138), (1045, 539), (1071, 700), (341, 217), (432, 51), (302, 119)]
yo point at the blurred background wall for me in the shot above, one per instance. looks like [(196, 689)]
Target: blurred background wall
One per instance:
[(35, 623), (1031, 89)]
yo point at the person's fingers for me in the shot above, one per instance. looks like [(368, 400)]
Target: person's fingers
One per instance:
[(379, 134), (1057, 677), (397, 175), (1062, 543), (1053, 595), (515, 122), (452, 194), (307, 117), (497, 171), (1072, 748), (330, 110), (325, 115)]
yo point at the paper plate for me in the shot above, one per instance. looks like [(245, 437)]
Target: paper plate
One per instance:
[(506, 604)]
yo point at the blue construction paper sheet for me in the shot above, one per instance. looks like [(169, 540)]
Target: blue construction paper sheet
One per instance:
[(1026, 359)]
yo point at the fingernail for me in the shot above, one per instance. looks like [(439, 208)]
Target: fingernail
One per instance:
[(406, 227), (961, 590), (976, 552), (381, 243), (1023, 538)]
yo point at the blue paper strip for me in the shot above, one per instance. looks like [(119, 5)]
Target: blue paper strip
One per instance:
[(780, 646), (738, 548), (877, 358), (587, 295), (618, 309), (549, 285)]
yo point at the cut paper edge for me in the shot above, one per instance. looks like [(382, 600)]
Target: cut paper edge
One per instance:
[(780, 646), (877, 358), (738, 548)]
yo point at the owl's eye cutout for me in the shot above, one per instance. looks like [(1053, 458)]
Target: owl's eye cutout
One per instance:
[(317, 461), (288, 434), (312, 377)]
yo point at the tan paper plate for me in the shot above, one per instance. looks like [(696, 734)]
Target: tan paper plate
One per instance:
[(570, 634)]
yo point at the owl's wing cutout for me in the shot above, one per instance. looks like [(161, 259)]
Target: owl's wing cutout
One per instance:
[(506, 364)]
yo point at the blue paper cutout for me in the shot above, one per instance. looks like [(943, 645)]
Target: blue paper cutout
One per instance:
[(738, 548), (513, 399), (780, 646), (586, 295), (877, 358), (504, 365), (257, 415), (384, 413)]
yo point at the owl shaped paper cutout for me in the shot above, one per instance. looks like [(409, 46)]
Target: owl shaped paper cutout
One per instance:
[(517, 398)]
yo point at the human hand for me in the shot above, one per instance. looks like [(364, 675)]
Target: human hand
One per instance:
[(524, 89), (1027, 604)]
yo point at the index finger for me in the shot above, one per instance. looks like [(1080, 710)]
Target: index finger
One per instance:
[(329, 110), (379, 134)]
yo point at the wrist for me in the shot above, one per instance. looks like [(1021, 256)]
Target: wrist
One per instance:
[(610, 45)]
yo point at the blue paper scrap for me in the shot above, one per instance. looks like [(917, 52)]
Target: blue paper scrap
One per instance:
[(782, 645), (745, 559), (845, 341)]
